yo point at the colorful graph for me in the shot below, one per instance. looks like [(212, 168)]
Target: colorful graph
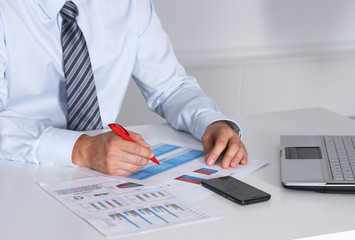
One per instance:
[(78, 197), (190, 179), (103, 205), (206, 171), (129, 185), (167, 164), (100, 194), (150, 196), (163, 149), (155, 215)]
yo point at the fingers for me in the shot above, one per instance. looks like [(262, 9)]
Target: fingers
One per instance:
[(235, 154), (125, 157), (215, 152), (124, 164), (139, 139), (219, 139), (207, 143), (111, 154), (136, 149)]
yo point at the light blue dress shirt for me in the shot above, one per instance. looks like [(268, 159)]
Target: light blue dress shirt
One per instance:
[(125, 39)]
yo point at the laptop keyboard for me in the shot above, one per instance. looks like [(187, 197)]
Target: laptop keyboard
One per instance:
[(341, 156)]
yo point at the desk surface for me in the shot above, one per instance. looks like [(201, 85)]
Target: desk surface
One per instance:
[(28, 212)]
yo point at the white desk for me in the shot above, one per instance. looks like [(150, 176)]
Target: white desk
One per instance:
[(28, 212)]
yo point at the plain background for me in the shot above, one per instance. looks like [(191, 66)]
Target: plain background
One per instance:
[(255, 56)]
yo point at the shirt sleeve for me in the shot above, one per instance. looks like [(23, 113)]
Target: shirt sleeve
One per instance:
[(25, 139), (168, 90)]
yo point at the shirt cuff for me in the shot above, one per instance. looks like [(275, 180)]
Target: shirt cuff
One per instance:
[(56, 146)]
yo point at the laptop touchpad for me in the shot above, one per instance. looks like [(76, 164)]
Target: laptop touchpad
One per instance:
[(303, 153), (302, 164)]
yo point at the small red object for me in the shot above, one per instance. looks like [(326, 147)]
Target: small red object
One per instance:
[(122, 132)]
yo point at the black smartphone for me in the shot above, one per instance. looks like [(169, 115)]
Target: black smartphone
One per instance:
[(236, 190)]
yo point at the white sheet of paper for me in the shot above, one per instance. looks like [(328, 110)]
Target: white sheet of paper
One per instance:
[(179, 159), (118, 208)]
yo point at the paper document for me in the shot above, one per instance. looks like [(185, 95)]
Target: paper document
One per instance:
[(117, 208), (182, 162)]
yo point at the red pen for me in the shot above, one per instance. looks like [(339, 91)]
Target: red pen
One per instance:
[(122, 132)]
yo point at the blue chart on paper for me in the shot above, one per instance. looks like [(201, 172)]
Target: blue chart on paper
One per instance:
[(164, 149), (167, 164)]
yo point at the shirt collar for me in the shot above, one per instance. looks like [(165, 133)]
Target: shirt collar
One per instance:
[(52, 7)]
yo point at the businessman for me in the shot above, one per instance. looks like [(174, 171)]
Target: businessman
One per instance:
[(64, 70)]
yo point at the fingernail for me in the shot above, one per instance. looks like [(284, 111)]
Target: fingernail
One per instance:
[(210, 161), (151, 155)]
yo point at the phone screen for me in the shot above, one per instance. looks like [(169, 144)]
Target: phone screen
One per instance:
[(236, 190)]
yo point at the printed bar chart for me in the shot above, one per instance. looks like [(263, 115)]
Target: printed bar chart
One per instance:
[(150, 217), (163, 149), (197, 176), (190, 179), (103, 205), (147, 197), (184, 157), (129, 185), (206, 171)]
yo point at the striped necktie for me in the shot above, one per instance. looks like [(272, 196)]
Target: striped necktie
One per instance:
[(83, 107)]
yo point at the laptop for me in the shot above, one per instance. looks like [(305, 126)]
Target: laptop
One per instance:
[(318, 163)]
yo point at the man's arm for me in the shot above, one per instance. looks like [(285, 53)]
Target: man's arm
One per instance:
[(23, 138), (178, 98)]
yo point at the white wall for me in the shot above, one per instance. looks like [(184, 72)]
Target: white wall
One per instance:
[(261, 55)]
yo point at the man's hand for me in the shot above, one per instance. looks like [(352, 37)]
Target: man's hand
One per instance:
[(111, 154), (220, 137)]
